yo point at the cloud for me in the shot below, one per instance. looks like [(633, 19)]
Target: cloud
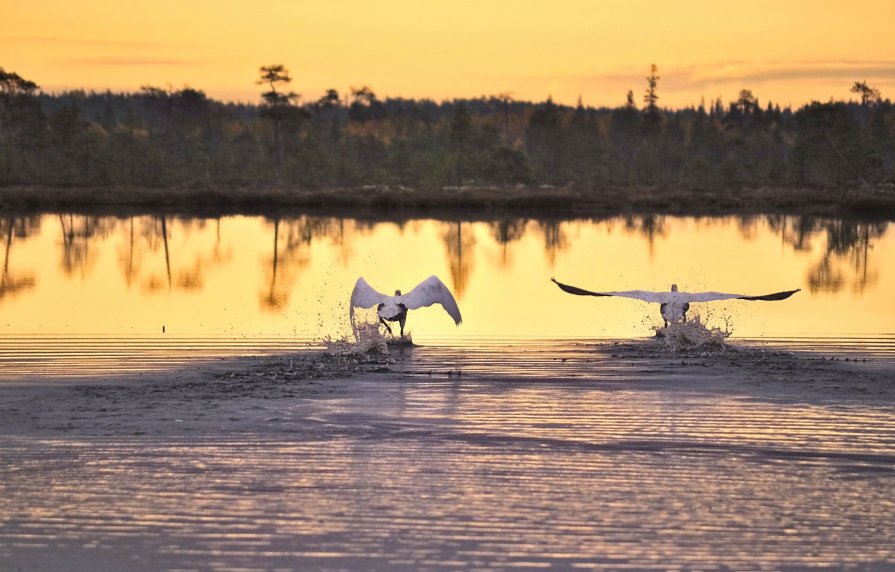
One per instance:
[(64, 41), (112, 53), (699, 77), (687, 82), (129, 61)]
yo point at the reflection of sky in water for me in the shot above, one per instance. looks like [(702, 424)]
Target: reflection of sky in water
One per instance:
[(441, 474), (260, 277)]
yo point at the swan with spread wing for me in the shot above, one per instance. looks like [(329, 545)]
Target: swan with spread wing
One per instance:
[(394, 308), (674, 304)]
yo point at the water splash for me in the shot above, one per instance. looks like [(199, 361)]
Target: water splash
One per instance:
[(368, 340), (400, 341), (692, 334)]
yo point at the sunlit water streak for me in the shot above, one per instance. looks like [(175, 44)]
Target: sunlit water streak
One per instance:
[(47, 357)]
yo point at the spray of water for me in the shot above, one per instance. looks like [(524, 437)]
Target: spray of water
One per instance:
[(692, 334), (369, 334), (368, 339)]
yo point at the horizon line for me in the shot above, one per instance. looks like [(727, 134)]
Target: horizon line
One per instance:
[(57, 91)]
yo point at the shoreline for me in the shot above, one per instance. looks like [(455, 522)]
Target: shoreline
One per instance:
[(401, 202)]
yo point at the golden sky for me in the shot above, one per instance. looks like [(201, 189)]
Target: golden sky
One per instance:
[(788, 51)]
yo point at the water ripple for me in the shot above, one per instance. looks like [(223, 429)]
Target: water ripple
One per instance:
[(613, 469)]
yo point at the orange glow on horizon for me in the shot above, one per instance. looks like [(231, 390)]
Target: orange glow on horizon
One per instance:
[(790, 53)]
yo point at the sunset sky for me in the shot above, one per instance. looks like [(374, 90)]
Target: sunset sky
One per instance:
[(790, 52)]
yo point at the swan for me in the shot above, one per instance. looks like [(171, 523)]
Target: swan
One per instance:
[(394, 308), (674, 304)]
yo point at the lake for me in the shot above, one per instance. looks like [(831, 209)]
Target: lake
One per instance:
[(542, 432), (90, 294)]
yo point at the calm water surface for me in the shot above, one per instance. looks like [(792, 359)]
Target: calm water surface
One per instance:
[(100, 293)]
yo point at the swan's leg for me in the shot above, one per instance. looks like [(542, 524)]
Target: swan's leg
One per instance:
[(387, 327), (401, 320)]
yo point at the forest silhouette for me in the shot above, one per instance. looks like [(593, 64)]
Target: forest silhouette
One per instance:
[(164, 137)]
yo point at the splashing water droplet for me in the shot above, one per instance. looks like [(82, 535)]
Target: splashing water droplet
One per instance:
[(692, 334), (368, 339)]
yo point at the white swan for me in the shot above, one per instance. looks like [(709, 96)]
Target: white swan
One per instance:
[(394, 308), (674, 304)]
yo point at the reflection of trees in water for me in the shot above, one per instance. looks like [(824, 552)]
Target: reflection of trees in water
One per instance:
[(847, 254), (848, 244), (748, 226), (506, 231), (459, 241), (78, 232), (795, 231), (649, 226), (278, 292), (341, 237), (150, 252), (164, 232), (149, 238), (126, 254), (143, 239), (825, 275), (148, 255), (12, 228), (190, 275), (555, 239), (292, 240)]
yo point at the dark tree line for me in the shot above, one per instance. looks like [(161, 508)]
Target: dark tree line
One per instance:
[(179, 137)]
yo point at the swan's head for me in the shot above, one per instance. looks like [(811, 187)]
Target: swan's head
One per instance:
[(397, 292), (674, 287)]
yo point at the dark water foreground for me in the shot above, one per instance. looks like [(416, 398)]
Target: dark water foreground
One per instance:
[(559, 455)]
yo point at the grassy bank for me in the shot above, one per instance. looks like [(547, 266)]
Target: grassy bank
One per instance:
[(876, 202)]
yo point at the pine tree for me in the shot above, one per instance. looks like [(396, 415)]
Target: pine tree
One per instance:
[(652, 119)]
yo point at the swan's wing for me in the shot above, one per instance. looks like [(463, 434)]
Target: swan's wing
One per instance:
[(712, 296), (644, 295), (363, 296), (432, 291), (772, 297), (706, 296), (577, 291)]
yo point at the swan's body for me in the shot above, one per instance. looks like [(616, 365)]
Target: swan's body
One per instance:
[(674, 304), (394, 308)]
